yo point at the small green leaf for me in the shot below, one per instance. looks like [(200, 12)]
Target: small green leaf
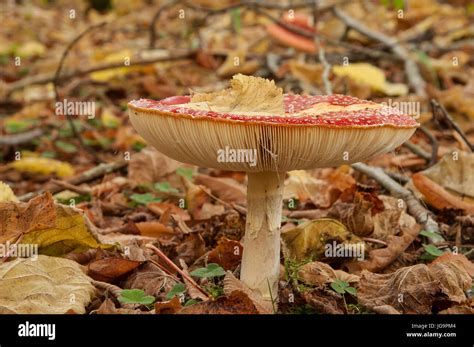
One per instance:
[(431, 234), (236, 20), (212, 270), (186, 172), (178, 289), (165, 187), (190, 302), (66, 147), (433, 250), (143, 199), (351, 290), (337, 288), (135, 296)]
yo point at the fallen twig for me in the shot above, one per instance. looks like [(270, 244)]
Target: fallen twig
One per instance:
[(411, 68), (84, 177), (12, 140), (47, 78), (176, 268), (434, 145), (445, 116), (417, 150), (414, 207)]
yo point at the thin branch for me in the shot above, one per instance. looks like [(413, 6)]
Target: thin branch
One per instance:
[(74, 130), (47, 78), (12, 140), (417, 150), (414, 207), (445, 116), (434, 145), (411, 68), (176, 268), (86, 176)]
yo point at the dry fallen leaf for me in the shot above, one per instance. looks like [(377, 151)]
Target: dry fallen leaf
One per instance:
[(56, 229), (111, 268), (232, 284), (319, 274), (380, 258), (228, 254), (308, 240), (235, 303), (149, 166), (226, 189), (413, 289), (168, 307), (46, 285)]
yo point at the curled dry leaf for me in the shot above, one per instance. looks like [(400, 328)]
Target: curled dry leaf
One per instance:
[(413, 289), (319, 274), (455, 173), (149, 165), (380, 258), (454, 280), (308, 240), (323, 301), (110, 269), (408, 290), (155, 229), (56, 229), (44, 285), (226, 189), (228, 254), (439, 197), (456, 258), (151, 279), (235, 303), (168, 307), (232, 284), (108, 307)]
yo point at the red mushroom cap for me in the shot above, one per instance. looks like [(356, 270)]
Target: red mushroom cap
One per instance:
[(363, 113)]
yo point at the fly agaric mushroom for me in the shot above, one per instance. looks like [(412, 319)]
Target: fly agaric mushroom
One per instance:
[(287, 132)]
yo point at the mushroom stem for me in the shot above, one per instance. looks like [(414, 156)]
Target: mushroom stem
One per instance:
[(261, 256)]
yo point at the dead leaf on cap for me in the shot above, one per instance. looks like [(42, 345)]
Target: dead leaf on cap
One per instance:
[(110, 269), (235, 303), (44, 285), (228, 254), (319, 274), (149, 165)]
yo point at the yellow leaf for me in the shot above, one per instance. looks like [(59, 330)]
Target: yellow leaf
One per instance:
[(31, 49), (109, 119), (44, 166), (308, 240), (366, 74), (6, 193), (43, 285), (54, 228)]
